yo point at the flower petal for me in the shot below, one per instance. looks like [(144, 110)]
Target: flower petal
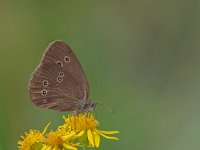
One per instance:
[(48, 148), (109, 132), (45, 129), (68, 136), (81, 133), (90, 137), (44, 147), (69, 147), (109, 137), (96, 139)]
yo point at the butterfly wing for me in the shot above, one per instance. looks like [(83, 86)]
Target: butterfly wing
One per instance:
[(58, 82)]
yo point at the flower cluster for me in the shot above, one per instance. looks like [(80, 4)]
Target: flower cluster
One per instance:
[(78, 131)]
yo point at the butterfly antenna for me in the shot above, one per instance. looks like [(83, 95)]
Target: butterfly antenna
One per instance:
[(108, 108)]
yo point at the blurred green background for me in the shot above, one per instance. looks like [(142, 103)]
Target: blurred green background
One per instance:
[(141, 57)]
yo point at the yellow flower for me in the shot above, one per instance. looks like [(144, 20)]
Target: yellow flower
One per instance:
[(84, 127), (78, 130), (32, 140), (54, 141)]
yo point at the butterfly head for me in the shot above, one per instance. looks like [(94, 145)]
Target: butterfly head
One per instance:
[(87, 106), (92, 106)]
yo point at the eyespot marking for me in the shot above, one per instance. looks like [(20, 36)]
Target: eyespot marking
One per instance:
[(61, 74), (67, 59), (45, 83), (59, 79), (59, 63), (44, 92)]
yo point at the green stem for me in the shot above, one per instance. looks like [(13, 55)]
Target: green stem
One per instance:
[(83, 141), (84, 147)]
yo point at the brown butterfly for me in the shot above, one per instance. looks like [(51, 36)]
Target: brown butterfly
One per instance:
[(59, 82)]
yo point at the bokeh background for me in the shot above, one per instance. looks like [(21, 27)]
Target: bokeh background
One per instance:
[(141, 57)]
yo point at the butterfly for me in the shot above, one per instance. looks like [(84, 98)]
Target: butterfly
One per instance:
[(59, 83)]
